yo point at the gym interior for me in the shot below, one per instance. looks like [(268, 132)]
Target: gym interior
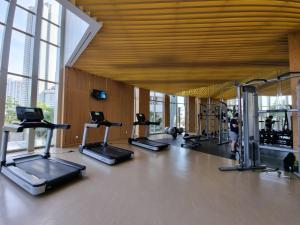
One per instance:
[(149, 112)]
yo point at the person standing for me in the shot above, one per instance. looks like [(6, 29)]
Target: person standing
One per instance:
[(234, 133), (269, 123)]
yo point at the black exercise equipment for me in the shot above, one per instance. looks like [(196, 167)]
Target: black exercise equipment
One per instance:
[(101, 150), (36, 173), (191, 141), (174, 131), (278, 137), (144, 142)]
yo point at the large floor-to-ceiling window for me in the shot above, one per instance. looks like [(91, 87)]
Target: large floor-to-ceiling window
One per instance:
[(33, 61), (266, 103), (177, 111), (33, 53), (20, 66), (156, 111), (275, 102), (49, 66)]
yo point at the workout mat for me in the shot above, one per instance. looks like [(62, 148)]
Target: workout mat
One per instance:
[(270, 158), (175, 142)]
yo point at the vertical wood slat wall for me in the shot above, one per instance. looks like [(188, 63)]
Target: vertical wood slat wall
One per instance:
[(191, 114), (77, 103), (144, 107)]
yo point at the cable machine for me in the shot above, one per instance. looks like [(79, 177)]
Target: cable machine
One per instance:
[(249, 149), (249, 143)]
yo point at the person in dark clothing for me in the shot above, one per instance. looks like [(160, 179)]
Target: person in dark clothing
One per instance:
[(269, 123), (234, 132)]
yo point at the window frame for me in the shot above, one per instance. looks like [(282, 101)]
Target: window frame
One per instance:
[(155, 101), (176, 104)]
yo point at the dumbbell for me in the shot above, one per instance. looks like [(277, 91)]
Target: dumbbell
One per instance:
[(172, 131), (180, 130)]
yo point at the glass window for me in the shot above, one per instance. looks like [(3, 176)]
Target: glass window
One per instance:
[(173, 113), (24, 21), (28, 4), (20, 56), (2, 28), (177, 111), (46, 99), (50, 32), (156, 111), (52, 11), (49, 62), (4, 9), (17, 94), (290, 100)]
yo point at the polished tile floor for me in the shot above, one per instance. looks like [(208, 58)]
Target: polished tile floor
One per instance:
[(173, 187)]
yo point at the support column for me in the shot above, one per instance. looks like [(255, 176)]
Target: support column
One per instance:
[(294, 63), (191, 114), (167, 111), (144, 107)]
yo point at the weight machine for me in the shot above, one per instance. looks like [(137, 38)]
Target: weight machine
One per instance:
[(223, 134), (277, 137), (249, 148), (216, 121), (249, 152)]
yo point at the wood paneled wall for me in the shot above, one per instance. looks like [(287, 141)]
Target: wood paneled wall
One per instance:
[(294, 61), (144, 106), (167, 111), (77, 103), (191, 112)]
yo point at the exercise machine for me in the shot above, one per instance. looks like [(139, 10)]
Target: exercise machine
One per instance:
[(174, 131), (214, 116), (223, 133), (250, 151), (191, 141), (144, 142), (101, 150), (36, 173), (283, 137)]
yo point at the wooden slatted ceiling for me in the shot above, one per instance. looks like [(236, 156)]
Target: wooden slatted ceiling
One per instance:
[(189, 47)]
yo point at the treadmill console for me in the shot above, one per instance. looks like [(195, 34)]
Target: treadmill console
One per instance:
[(97, 116), (29, 114), (140, 117)]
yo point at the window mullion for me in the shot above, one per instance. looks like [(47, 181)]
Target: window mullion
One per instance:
[(35, 67), (5, 60)]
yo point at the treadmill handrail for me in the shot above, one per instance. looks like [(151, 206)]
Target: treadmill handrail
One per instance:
[(146, 123), (13, 128), (105, 123), (26, 125)]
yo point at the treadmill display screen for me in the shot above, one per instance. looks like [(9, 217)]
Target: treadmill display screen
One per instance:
[(99, 94), (29, 114), (140, 117), (97, 116)]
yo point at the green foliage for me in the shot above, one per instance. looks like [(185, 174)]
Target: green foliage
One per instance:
[(47, 110), (10, 110)]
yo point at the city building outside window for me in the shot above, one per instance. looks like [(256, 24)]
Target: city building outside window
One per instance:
[(177, 111), (157, 111)]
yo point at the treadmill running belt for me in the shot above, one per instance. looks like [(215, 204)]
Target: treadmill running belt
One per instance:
[(152, 143), (112, 152), (46, 169)]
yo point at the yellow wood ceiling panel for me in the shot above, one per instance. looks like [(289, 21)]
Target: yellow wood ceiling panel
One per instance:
[(192, 47)]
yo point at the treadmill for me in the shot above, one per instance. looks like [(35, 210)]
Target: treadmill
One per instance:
[(101, 150), (36, 173), (144, 142)]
